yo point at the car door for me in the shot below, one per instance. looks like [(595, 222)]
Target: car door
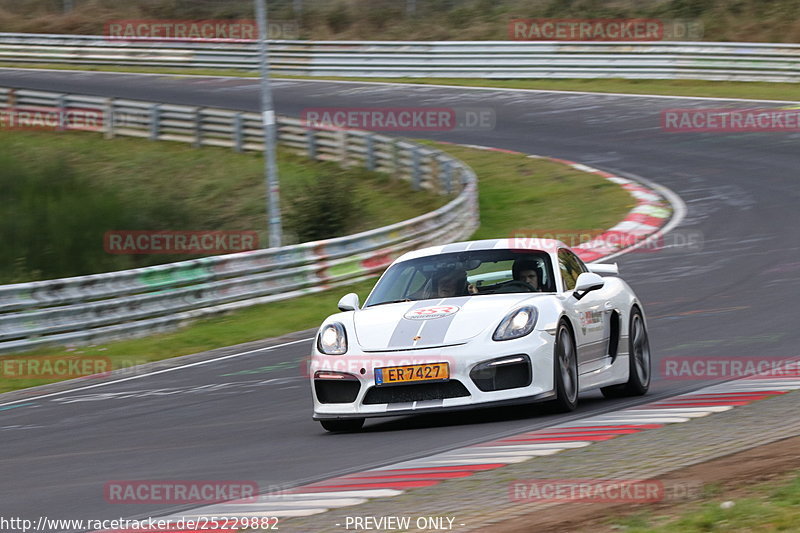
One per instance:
[(589, 315)]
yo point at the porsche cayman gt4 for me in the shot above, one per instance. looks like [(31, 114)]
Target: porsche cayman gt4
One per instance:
[(480, 324)]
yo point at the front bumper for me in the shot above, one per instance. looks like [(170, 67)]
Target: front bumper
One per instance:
[(361, 398)]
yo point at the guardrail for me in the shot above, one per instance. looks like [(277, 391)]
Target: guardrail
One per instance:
[(451, 59), (152, 299)]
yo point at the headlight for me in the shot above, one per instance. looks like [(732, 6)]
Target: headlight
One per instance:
[(332, 340), (517, 323)]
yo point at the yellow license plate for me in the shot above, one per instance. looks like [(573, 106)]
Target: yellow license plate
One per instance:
[(412, 373)]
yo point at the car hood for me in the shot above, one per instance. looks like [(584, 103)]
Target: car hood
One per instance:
[(432, 323)]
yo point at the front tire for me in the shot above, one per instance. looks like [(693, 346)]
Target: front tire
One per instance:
[(638, 361), (565, 363), (348, 425)]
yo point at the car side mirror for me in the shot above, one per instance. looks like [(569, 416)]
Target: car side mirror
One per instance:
[(586, 283), (349, 302)]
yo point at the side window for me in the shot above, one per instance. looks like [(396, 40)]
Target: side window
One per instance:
[(571, 267)]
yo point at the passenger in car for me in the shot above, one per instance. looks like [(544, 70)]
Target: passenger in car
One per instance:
[(451, 283)]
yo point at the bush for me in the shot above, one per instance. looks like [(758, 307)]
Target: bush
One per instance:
[(338, 19), (52, 222), (323, 207)]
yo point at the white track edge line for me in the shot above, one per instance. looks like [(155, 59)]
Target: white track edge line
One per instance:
[(155, 372)]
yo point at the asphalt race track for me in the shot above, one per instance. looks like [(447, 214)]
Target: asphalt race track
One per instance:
[(248, 417)]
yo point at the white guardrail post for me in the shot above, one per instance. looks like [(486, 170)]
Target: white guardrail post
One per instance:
[(142, 301), (430, 59)]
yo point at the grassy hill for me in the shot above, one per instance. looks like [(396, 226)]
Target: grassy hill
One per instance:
[(722, 20)]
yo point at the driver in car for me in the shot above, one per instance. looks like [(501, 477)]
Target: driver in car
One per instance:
[(527, 271)]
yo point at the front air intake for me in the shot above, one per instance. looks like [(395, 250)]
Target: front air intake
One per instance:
[(417, 392), (336, 387), (503, 373)]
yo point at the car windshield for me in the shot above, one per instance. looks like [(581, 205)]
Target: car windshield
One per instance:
[(469, 273)]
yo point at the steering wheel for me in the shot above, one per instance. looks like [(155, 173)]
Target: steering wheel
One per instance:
[(517, 284)]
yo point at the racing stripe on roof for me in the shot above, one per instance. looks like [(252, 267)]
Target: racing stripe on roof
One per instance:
[(456, 247), (486, 244)]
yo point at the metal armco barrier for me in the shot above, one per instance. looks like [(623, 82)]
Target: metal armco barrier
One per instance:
[(450, 59), (147, 300)]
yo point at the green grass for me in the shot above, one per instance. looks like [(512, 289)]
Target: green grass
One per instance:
[(515, 192), (766, 507), (721, 20), (519, 193), (66, 190)]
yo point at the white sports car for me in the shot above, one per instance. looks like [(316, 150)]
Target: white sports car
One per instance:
[(480, 323)]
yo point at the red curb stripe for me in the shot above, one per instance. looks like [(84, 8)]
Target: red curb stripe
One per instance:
[(679, 406), (635, 187), (579, 431), (576, 434), (428, 475), (706, 404), (454, 468), (719, 399), (560, 439), (399, 485), (582, 435), (620, 426), (711, 400), (737, 394), (727, 394), (641, 218), (628, 238)]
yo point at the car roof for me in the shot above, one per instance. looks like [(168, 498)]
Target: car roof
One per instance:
[(517, 243)]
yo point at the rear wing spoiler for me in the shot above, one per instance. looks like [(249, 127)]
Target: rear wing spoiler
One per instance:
[(599, 268)]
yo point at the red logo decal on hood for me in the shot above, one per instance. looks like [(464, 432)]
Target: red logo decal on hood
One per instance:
[(429, 313)]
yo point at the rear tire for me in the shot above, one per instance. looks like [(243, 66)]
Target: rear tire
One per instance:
[(348, 425), (565, 366), (638, 361)]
